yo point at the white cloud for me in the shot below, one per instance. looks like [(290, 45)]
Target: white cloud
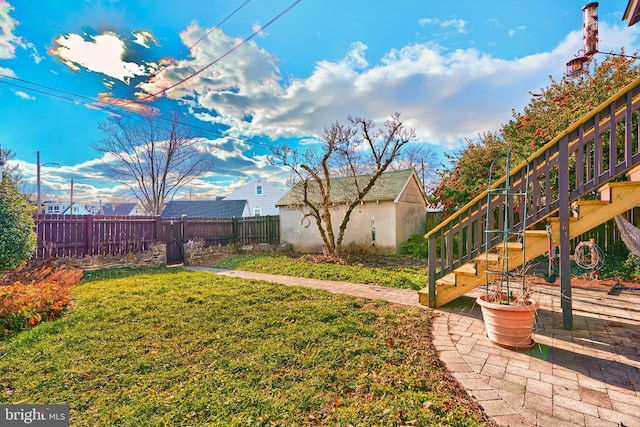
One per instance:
[(356, 56), (446, 95), (256, 27), (24, 95), (103, 54), (144, 38), (459, 25), (8, 40), (247, 71), (512, 31), (7, 72)]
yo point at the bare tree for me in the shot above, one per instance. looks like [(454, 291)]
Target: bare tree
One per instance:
[(6, 155), (23, 186), (153, 158), (421, 158), (354, 155)]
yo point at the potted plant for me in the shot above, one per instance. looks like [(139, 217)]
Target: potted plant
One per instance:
[(507, 309), (509, 313)]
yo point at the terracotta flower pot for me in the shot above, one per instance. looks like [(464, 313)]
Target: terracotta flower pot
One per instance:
[(509, 326)]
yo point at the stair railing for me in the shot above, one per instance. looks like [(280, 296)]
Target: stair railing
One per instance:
[(597, 149)]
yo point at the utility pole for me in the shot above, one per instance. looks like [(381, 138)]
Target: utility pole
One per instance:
[(39, 200), (71, 205), (1, 163)]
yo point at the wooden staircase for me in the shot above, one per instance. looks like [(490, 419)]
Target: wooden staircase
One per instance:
[(615, 198), (589, 157)]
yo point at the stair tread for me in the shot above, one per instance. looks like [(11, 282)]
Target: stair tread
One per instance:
[(557, 219), (633, 173), (619, 184), (447, 279), (535, 233), (484, 258), (469, 269), (590, 202)]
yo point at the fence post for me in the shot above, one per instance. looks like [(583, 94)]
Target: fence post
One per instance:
[(274, 229), (234, 230), (89, 236), (183, 227), (157, 227)]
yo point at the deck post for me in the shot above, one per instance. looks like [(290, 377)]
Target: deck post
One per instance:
[(565, 245), (432, 271)]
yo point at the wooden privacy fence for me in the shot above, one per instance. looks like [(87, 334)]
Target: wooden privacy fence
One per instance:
[(77, 236)]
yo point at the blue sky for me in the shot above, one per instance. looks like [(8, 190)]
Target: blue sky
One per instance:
[(452, 69)]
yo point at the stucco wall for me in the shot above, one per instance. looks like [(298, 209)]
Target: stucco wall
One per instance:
[(389, 232), (412, 219)]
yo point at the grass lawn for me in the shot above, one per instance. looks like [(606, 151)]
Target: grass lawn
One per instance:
[(166, 347), (393, 274)]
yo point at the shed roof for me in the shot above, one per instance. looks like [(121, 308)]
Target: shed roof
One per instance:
[(387, 188), (204, 208)]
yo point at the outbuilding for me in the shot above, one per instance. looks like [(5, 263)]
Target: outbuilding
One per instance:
[(393, 210)]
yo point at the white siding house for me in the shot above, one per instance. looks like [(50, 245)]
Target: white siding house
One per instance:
[(62, 208), (261, 195), (391, 212)]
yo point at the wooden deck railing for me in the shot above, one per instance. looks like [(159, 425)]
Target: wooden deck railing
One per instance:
[(597, 149)]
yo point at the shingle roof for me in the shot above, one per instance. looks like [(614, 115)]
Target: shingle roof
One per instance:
[(204, 208), (387, 187), (118, 208)]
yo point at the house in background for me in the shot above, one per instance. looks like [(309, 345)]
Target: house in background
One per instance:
[(391, 212), (62, 208), (125, 208), (206, 209), (261, 195)]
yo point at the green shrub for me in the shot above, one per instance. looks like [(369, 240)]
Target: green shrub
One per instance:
[(627, 269), (17, 239), (417, 246)]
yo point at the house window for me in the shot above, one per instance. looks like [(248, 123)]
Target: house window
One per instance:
[(53, 209), (257, 212), (259, 190)]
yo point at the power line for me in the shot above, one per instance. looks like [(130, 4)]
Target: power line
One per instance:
[(219, 24), (233, 49), (95, 103), (37, 15), (215, 27), (98, 104)]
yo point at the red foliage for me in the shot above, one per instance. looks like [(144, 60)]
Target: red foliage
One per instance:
[(38, 291)]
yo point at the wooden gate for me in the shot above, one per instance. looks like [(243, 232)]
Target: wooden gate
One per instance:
[(173, 232)]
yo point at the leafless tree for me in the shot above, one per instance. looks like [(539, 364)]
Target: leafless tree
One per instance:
[(23, 186), (356, 154), (421, 158), (5, 155), (154, 158)]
